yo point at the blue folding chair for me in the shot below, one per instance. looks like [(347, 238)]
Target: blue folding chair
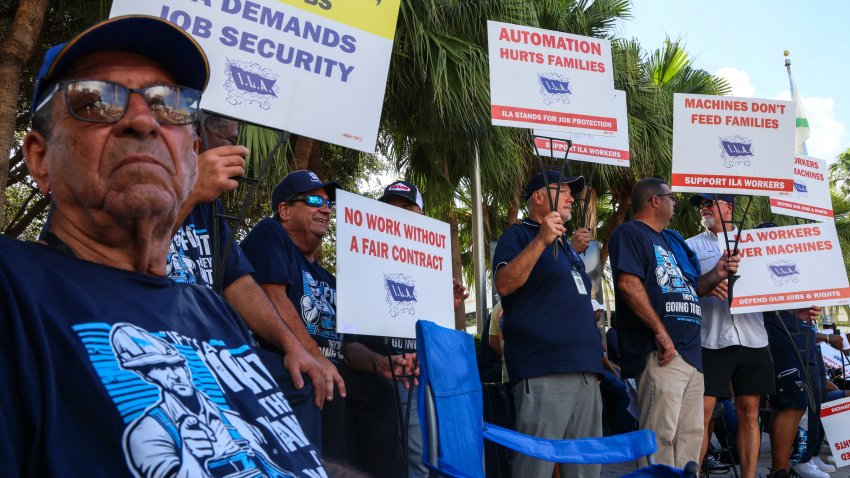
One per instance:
[(453, 430)]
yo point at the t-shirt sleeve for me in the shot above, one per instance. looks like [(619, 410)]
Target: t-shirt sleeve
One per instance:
[(628, 252), (509, 246), (270, 253), (237, 264)]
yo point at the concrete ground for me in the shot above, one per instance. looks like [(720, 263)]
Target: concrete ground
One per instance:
[(611, 471)]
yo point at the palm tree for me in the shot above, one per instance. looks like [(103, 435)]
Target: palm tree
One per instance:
[(839, 173), (649, 82)]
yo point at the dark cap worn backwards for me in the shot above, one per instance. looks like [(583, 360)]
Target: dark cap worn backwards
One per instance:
[(403, 189), (298, 182), (160, 40), (537, 181), (697, 199)]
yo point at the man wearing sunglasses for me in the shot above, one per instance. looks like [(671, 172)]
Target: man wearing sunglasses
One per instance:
[(113, 144), (552, 347), (191, 260), (734, 347), (282, 251), (656, 288)]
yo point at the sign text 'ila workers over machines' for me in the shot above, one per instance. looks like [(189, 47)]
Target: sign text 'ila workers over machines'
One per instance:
[(394, 267), (550, 80), (316, 68), (789, 267), (723, 144)]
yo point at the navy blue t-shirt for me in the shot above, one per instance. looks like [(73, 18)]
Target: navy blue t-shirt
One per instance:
[(190, 254), (310, 288), (108, 372), (549, 326), (637, 249)]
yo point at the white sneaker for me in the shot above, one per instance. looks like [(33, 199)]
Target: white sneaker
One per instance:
[(824, 467), (809, 470)]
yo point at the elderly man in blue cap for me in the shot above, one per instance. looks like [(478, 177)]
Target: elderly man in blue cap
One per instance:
[(98, 345), (552, 348)]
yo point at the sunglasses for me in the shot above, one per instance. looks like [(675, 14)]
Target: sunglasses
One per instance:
[(313, 201), (709, 203), (102, 101)]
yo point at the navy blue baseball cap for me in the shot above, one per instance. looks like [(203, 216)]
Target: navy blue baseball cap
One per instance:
[(162, 41), (537, 181), (403, 189), (298, 182), (697, 199)]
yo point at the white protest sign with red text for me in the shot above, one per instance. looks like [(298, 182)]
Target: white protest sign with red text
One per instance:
[(550, 80), (602, 149), (723, 144), (789, 267), (810, 199), (393, 267), (316, 68), (835, 417)]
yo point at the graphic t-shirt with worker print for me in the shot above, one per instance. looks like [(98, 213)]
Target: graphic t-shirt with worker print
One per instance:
[(637, 249), (309, 286), (121, 373)]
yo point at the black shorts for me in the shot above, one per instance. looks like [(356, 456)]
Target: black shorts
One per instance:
[(790, 390), (749, 370)]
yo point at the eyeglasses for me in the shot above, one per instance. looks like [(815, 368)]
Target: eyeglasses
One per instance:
[(313, 200), (102, 101), (669, 195)]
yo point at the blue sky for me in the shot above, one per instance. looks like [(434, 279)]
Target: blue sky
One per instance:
[(744, 40)]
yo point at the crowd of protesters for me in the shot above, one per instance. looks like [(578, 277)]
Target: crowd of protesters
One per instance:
[(119, 358)]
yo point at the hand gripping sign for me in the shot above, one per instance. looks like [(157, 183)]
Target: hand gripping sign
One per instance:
[(550, 80), (731, 145), (394, 267), (316, 68)]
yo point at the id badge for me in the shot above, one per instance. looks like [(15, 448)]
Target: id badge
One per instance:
[(579, 283)]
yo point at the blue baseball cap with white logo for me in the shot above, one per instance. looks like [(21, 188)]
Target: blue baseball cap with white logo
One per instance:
[(298, 182), (160, 40)]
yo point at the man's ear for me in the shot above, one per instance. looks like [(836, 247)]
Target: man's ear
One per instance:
[(283, 211), (35, 153)]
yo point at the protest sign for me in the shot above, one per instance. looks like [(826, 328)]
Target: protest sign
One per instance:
[(723, 144), (597, 148), (810, 198), (833, 359), (318, 68), (835, 417), (394, 267), (551, 80), (788, 268)]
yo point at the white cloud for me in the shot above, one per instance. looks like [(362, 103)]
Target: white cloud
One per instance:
[(740, 81), (828, 135)]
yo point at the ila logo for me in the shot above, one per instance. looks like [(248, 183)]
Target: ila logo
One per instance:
[(554, 87), (250, 83), (736, 150), (401, 294), (783, 272)]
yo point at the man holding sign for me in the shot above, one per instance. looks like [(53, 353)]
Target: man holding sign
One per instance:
[(734, 347), (282, 250), (657, 282), (553, 357)]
